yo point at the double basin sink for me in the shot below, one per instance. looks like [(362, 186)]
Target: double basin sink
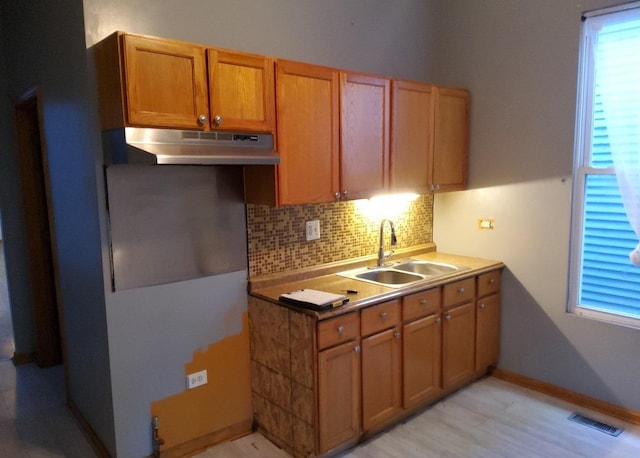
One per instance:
[(402, 273)]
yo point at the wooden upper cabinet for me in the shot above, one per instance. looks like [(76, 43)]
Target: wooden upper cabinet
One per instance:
[(308, 126), (411, 146), (165, 83), (451, 139), (364, 149), (154, 82), (308, 133), (242, 91)]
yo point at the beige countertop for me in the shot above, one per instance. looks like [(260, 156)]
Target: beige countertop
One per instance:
[(368, 293)]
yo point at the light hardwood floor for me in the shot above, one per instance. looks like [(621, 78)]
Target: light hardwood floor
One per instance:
[(34, 421), (490, 418)]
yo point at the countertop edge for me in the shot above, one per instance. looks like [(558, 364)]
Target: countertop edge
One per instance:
[(368, 294)]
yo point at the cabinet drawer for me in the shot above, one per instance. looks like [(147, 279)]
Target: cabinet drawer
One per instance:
[(337, 330), (488, 283), (420, 304), (379, 317), (458, 292)]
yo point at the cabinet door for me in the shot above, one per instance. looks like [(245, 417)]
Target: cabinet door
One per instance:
[(364, 149), (421, 345), (338, 395), (487, 331), (381, 376), (308, 133), (458, 345), (411, 136), (242, 91), (165, 83), (451, 139)]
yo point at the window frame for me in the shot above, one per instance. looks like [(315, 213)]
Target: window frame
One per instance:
[(585, 110)]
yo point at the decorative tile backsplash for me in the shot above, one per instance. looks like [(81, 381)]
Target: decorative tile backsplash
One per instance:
[(277, 242)]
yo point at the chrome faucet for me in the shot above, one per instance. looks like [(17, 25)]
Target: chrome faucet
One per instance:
[(394, 241)]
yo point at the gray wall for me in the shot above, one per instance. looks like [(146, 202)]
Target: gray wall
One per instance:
[(44, 48), (154, 331), (380, 36), (519, 59)]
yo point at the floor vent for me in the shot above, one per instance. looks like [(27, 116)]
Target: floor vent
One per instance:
[(595, 424)]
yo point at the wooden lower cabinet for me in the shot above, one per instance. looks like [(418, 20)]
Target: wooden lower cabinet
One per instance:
[(487, 331), (422, 348), (381, 378), (488, 319), (338, 395), (458, 345), (320, 386)]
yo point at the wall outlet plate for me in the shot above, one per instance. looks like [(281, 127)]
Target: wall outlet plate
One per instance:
[(196, 379), (313, 230), (486, 223)]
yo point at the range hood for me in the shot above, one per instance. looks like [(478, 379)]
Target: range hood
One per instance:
[(134, 145)]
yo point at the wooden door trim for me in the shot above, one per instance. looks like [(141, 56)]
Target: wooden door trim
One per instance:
[(30, 98)]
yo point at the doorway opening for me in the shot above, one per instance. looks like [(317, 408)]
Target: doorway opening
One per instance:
[(39, 231), (7, 346)]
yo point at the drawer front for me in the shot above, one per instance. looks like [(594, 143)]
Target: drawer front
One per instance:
[(488, 283), (337, 330), (420, 304), (380, 317), (459, 292)]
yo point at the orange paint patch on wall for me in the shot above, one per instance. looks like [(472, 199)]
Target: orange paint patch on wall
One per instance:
[(225, 400)]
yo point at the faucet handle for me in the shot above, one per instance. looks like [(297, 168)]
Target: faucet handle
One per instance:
[(389, 253)]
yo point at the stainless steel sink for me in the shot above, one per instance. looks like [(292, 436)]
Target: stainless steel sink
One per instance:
[(402, 273), (427, 268), (388, 277)]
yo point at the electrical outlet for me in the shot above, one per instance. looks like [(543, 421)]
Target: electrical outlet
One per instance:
[(196, 379), (313, 230), (486, 223)]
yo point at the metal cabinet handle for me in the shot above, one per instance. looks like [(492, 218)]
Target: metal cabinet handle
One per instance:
[(345, 193), (356, 348), (340, 329), (482, 305), (396, 334), (383, 316), (447, 317), (438, 320), (217, 120), (423, 302), (202, 119), (337, 195), (492, 281), (461, 291)]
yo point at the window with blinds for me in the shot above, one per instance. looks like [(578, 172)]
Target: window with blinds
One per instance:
[(604, 284)]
